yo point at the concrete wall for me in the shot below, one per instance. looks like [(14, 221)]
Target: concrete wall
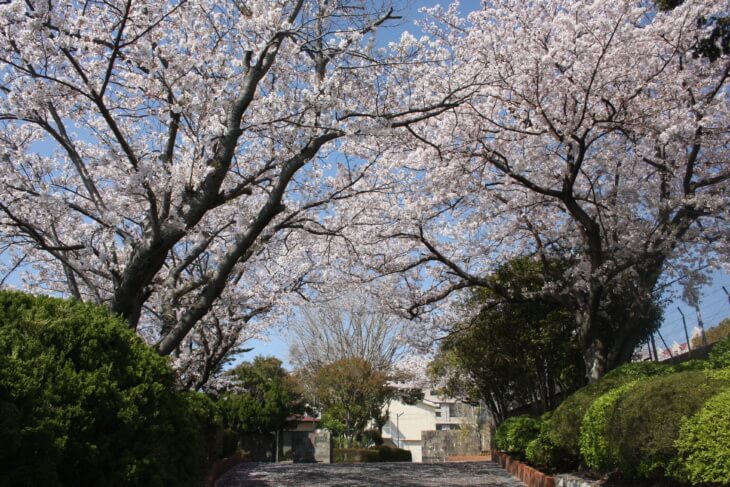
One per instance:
[(412, 420), (309, 447), (415, 448), (322, 441), (438, 446)]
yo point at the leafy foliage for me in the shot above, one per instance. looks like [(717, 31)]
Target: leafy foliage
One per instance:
[(714, 334), (720, 354), (520, 349), (85, 402), (351, 393), (703, 444), (645, 423), (514, 434), (564, 424), (270, 396), (369, 455), (595, 449)]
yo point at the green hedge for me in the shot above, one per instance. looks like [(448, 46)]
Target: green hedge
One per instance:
[(597, 452), (645, 422), (541, 451), (703, 444), (514, 434), (629, 423), (720, 355), (563, 431), (370, 455), (84, 402)]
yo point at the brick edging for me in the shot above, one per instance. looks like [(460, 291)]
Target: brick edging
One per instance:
[(530, 476), (222, 466)]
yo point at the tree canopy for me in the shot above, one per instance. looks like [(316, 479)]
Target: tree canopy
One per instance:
[(351, 393), (194, 164), (173, 160), (515, 352), (598, 131), (269, 397)]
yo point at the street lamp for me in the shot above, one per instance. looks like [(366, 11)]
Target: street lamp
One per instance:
[(397, 426)]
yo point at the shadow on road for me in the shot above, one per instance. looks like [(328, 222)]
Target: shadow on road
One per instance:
[(370, 474)]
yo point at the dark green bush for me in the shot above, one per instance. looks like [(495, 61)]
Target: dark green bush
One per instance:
[(372, 437), (390, 454), (720, 354), (542, 453), (370, 455), (693, 365), (83, 401), (207, 440), (515, 433), (642, 426), (564, 426), (703, 445)]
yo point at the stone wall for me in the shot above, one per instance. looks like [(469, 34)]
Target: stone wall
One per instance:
[(322, 441), (438, 446)]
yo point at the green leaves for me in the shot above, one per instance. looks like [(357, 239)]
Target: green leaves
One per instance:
[(521, 345), (515, 433), (351, 392), (703, 444), (271, 396), (83, 401)]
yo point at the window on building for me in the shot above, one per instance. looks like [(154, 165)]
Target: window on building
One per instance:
[(438, 413), (454, 411)]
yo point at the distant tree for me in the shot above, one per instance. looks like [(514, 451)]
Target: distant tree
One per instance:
[(351, 392), (270, 396), (518, 351), (347, 328), (714, 334)]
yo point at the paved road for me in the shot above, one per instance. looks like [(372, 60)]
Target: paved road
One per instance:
[(483, 474)]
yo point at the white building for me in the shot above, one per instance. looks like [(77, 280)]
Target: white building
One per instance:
[(406, 422)]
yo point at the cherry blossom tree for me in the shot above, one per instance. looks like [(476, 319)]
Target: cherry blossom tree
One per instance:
[(349, 327), (599, 134), (173, 160)]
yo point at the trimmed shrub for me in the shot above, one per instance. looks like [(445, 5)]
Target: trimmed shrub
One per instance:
[(596, 451), (542, 452), (720, 355), (370, 455), (202, 437), (644, 424), (693, 365), (703, 445), (390, 454), (84, 402), (372, 437), (515, 433), (564, 425)]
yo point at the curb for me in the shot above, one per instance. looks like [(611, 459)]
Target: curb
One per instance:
[(530, 476), (222, 466)]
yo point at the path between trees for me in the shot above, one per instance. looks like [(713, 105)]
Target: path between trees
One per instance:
[(368, 474)]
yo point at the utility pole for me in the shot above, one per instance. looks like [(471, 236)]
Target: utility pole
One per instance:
[(665, 344), (686, 335), (726, 294), (700, 324), (653, 348)]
